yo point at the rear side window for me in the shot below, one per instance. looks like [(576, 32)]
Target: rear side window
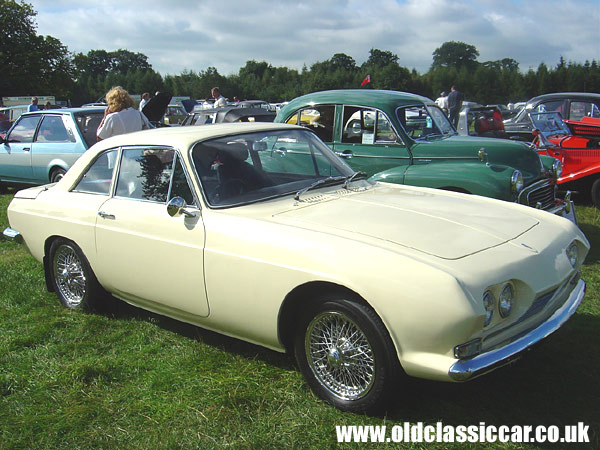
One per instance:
[(580, 109), (88, 124), (24, 129)]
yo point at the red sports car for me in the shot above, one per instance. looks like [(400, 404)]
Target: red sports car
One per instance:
[(576, 144)]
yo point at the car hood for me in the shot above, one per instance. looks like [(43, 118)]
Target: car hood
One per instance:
[(446, 225), (157, 106), (502, 152)]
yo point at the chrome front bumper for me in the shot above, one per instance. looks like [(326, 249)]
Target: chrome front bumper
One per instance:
[(565, 209), (486, 362), (12, 235)]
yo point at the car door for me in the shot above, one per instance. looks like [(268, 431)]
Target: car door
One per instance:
[(15, 153), (55, 145), (368, 141), (153, 259)]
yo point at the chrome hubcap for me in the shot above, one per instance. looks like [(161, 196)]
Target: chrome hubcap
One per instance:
[(69, 275), (340, 356)]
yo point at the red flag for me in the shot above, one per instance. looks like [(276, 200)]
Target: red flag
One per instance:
[(366, 80)]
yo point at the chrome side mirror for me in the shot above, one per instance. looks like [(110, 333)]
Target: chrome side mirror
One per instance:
[(176, 207)]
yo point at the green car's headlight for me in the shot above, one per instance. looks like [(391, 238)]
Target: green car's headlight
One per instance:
[(557, 169), (516, 181)]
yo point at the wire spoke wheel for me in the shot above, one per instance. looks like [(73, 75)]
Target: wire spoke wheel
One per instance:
[(69, 275), (340, 355)]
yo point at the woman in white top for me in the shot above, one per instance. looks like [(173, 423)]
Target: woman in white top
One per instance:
[(120, 116)]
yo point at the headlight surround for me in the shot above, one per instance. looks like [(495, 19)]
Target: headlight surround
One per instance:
[(516, 181), (573, 254), (506, 300), (557, 169), (488, 303)]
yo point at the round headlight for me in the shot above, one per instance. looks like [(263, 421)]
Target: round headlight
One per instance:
[(557, 168), (505, 301), (573, 254), (488, 304), (516, 181)]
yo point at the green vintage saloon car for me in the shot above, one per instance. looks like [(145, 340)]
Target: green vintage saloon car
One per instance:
[(405, 138)]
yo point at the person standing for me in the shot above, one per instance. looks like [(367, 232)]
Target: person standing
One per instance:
[(34, 105), (120, 117), (455, 99), (144, 100), (442, 102), (220, 101)]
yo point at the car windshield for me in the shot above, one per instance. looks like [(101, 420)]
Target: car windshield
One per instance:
[(549, 123), (251, 167), (424, 122)]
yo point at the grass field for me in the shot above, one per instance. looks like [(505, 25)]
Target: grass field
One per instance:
[(133, 379)]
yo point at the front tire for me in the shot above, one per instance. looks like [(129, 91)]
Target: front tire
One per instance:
[(72, 278), (344, 352)]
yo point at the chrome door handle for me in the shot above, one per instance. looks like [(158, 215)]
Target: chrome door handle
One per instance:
[(106, 215), (347, 154), (26, 149)]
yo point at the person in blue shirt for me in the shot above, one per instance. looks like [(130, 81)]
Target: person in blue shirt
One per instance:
[(34, 105)]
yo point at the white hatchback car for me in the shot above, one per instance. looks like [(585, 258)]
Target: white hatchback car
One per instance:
[(259, 231)]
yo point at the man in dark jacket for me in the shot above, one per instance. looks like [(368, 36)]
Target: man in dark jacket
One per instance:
[(455, 99)]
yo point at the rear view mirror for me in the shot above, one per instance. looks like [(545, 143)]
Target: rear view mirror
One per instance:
[(259, 146)]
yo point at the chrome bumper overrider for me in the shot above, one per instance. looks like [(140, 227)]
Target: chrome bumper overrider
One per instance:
[(566, 208), (12, 235), (486, 362)]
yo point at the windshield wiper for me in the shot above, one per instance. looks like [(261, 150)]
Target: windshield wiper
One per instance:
[(318, 183), (355, 176)]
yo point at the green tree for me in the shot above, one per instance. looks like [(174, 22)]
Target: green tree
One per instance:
[(31, 64), (455, 54)]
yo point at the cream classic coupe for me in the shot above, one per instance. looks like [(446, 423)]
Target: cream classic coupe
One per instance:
[(260, 232)]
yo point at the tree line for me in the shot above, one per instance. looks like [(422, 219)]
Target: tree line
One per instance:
[(42, 65)]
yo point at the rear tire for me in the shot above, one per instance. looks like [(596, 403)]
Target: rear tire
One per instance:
[(57, 174), (346, 356), (72, 278)]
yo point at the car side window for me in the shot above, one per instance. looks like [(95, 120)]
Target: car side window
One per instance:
[(97, 179), (53, 130), (145, 174), (88, 124), (24, 129), (578, 110), (319, 119), (359, 125)]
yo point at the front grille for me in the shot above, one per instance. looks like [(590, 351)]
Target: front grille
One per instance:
[(541, 192)]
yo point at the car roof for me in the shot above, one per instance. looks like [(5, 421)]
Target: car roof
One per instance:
[(185, 137), (87, 110), (572, 95), (359, 97)]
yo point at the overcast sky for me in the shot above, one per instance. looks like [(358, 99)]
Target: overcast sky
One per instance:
[(178, 35)]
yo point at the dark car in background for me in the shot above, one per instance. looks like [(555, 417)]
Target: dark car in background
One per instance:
[(41, 146), (228, 114), (570, 105)]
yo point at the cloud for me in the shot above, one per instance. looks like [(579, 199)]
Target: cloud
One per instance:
[(194, 35)]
